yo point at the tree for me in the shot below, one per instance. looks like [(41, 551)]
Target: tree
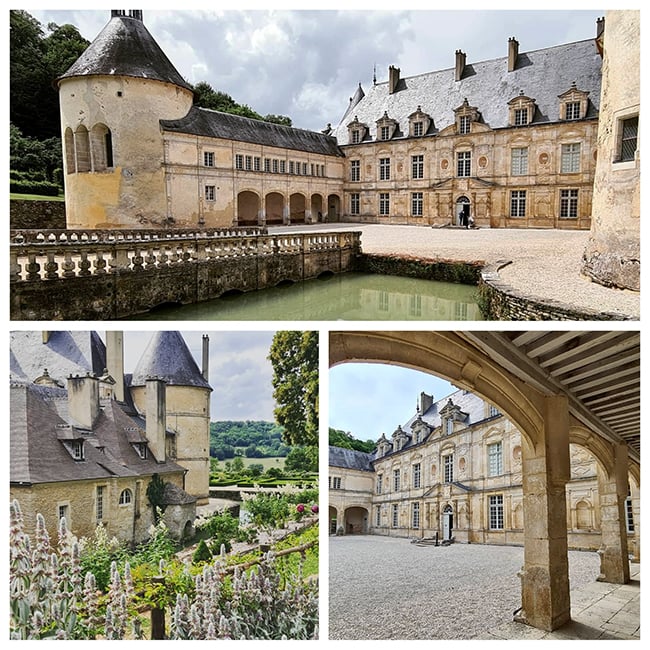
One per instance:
[(338, 438), (302, 459), (155, 494), (294, 357)]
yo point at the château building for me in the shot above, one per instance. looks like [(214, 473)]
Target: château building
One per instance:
[(86, 439), (509, 142), (454, 471)]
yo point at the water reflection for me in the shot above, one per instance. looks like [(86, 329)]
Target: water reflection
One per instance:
[(348, 296)]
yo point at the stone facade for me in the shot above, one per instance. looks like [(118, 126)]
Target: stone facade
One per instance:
[(612, 256), (454, 470), (501, 142)]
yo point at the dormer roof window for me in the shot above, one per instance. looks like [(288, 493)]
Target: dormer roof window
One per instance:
[(356, 131), (573, 103), (419, 123), (386, 127), (521, 110), (465, 115)]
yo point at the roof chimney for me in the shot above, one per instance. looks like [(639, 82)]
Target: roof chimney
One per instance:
[(600, 26), (426, 401), (83, 401), (155, 414), (513, 53), (460, 64), (393, 79), (205, 371), (115, 362)]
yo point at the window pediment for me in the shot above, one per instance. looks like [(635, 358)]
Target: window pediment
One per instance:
[(465, 115), (521, 110), (419, 123), (386, 127), (573, 103), (357, 131)]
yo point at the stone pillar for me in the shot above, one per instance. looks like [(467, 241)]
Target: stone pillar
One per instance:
[(614, 563), (635, 494), (545, 575)]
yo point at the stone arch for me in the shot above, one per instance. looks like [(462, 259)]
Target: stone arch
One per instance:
[(333, 207), (357, 519), (317, 208), (274, 208), (297, 208), (101, 147), (82, 149), (333, 520), (248, 208), (70, 162)]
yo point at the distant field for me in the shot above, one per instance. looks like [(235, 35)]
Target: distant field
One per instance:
[(36, 197), (274, 461)]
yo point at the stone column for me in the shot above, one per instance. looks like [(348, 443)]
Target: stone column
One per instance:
[(636, 516), (614, 563), (545, 575)]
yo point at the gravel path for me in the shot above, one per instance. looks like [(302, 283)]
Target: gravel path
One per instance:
[(388, 588), (544, 263)]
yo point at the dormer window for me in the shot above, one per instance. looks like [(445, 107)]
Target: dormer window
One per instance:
[(465, 115), (356, 131), (386, 127), (419, 123), (573, 104), (521, 109), (449, 426), (141, 449), (77, 449)]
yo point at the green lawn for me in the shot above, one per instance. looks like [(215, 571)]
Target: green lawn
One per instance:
[(35, 197), (274, 461)]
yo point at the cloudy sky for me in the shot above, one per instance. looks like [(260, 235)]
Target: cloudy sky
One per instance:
[(307, 63), (367, 400), (240, 373)]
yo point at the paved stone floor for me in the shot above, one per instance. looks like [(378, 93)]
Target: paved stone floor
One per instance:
[(388, 588)]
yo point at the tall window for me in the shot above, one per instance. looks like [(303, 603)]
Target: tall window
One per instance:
[(209, 192), (384, 169), (418, 129), (63, 514), (380, 481), (629, 514), (208, 158), (336, 483), (239, 161), (415, 516), (417, 166), (573, 110), (417, 475), (449, 426), (417, 204), (568, 204), (448, 464), (496, 512), (267, 164), (493, 411), (464, 163), (385, 133), (78, 449), (384, 204), (518, 203), (378, 516), (304, 169), (464, 124), (356, 136), (495, 459), (570, 158), (355, 170), (395, 516), (629, 135), (355, 207), (248, 163), (99, 502), (521, 116), (519, 161), (396, 480), (257, 164), (125, 497), (292, 168), (275, 165)]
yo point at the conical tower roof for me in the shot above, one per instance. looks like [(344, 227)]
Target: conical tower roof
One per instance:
[(125, 48), (168, 357)]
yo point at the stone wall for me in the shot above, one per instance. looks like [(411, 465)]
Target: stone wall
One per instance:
[(36, 214)]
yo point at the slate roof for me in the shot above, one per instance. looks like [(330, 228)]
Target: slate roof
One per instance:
[(38, 424), (64, 354), (168, 357), (215, 124), (125, 47), (541, 74), (350, 459)]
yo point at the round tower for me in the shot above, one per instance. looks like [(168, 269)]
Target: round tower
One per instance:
[(167, 357), (112, 100)]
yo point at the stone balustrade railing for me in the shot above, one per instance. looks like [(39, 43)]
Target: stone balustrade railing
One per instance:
[(59, 254)]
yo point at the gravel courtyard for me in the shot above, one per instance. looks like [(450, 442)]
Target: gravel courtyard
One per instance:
[(544, 264), (388, 588)]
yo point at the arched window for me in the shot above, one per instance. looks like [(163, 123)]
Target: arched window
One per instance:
[(82, 149), (125, 497), (102, 147), (583, 515), (70, 164)]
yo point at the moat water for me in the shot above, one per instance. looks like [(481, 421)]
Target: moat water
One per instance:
[(347, 296)]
